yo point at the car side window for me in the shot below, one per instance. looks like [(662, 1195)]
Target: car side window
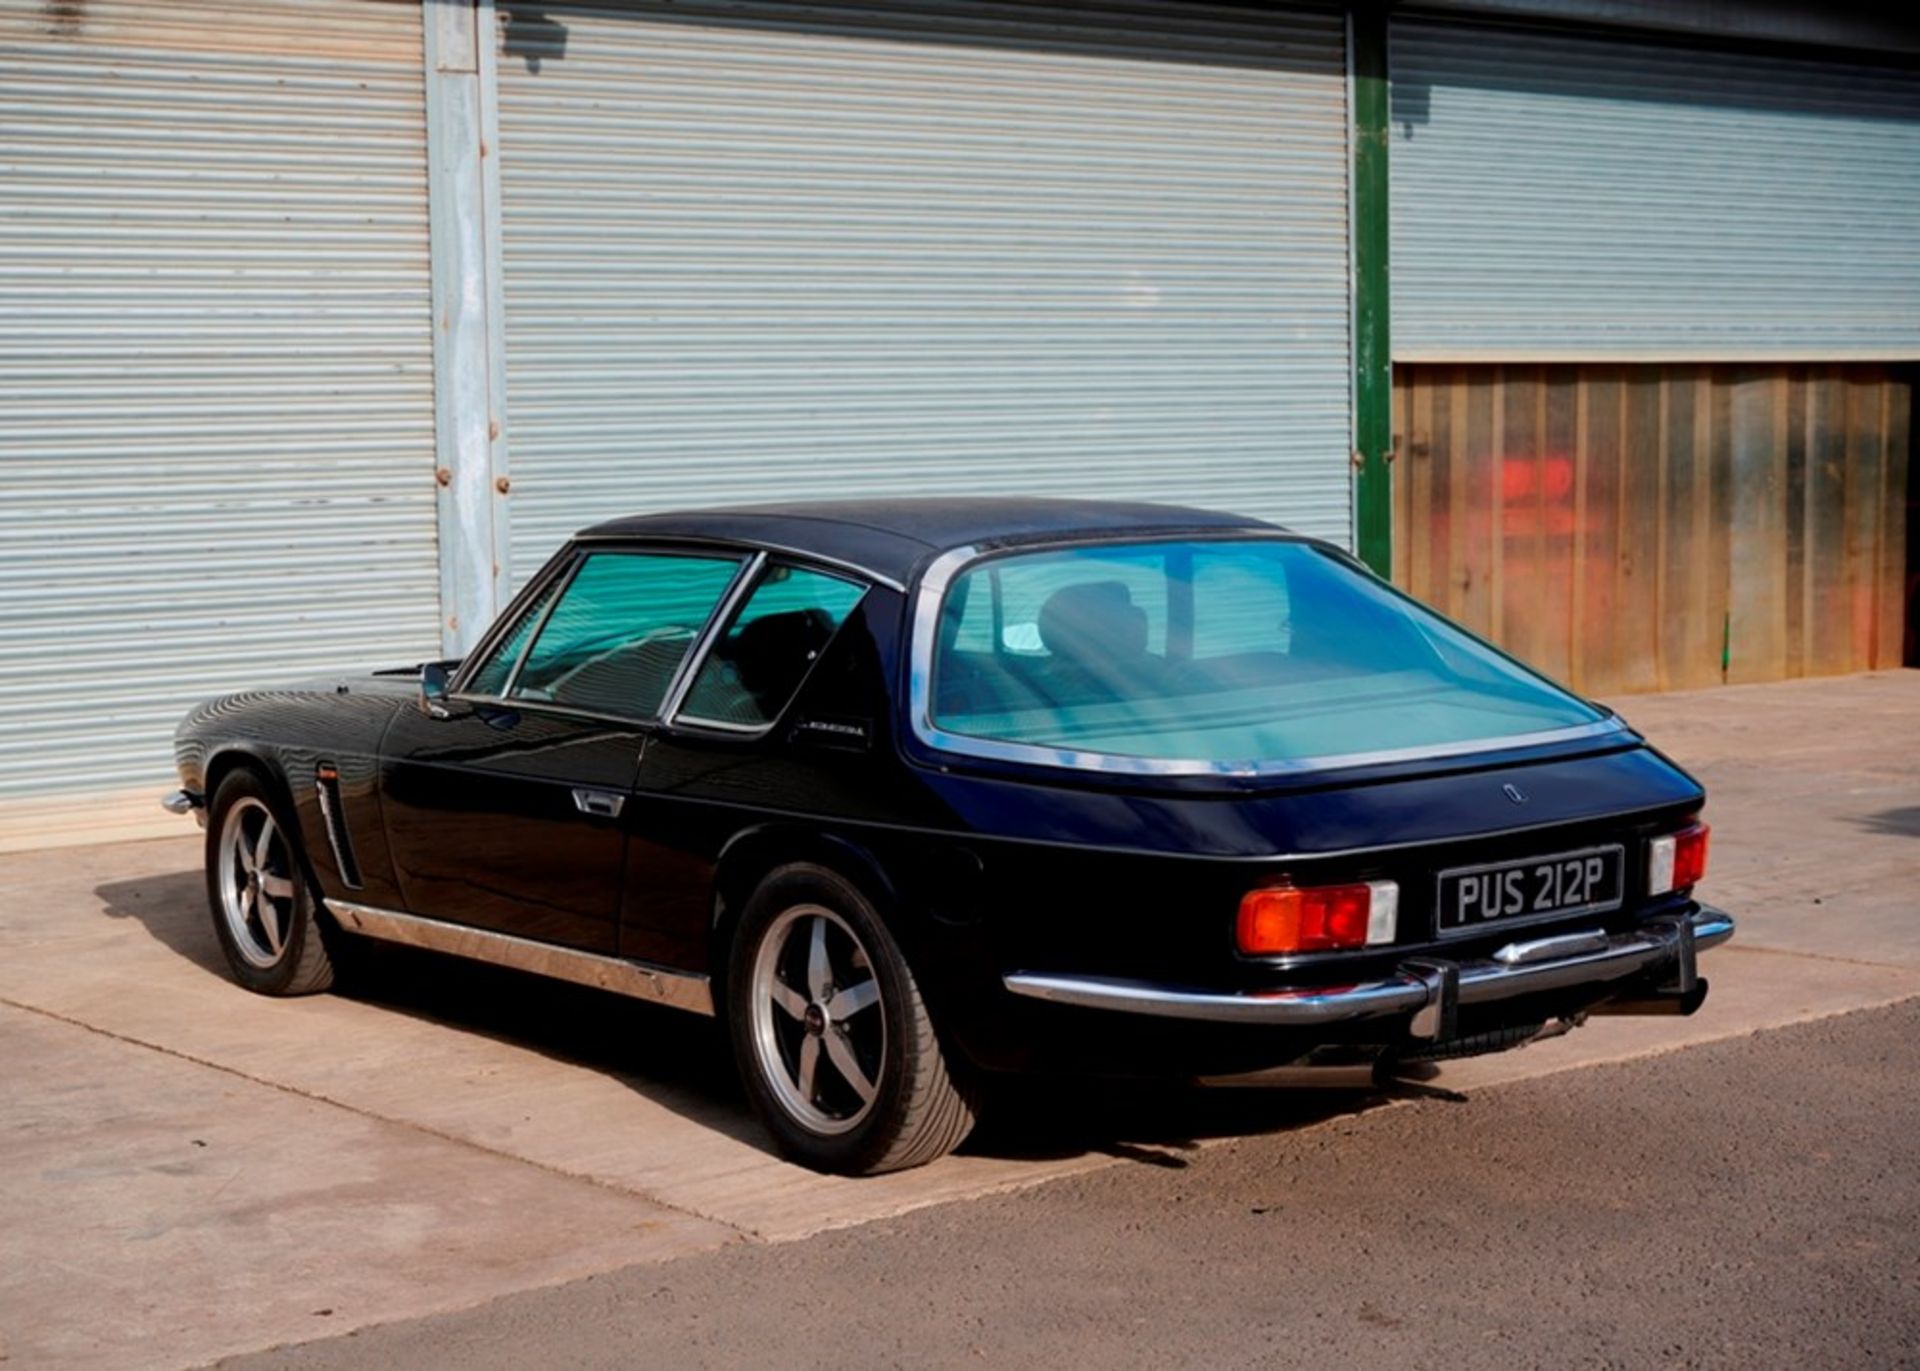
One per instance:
[(494, 673), (756, 666), (620, 630)]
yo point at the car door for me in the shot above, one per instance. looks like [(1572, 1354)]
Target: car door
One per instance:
[(724, 760), (507, 807)]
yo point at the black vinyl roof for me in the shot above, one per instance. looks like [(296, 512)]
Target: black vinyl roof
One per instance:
[(891, 537)]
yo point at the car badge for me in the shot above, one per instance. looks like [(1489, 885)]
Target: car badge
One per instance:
[(1515, 793)]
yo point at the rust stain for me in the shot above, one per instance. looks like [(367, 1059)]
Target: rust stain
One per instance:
[(65, 18)]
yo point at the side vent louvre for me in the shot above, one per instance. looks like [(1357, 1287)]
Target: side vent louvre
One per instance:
[(326, 778)]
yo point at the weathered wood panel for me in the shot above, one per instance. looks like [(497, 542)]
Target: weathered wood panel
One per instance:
[(1651, 527)]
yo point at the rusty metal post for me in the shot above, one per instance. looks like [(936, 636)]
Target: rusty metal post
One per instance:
[(463, 199)]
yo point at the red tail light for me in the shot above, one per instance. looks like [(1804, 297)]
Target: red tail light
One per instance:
[(1323, 918), (1677, 861)]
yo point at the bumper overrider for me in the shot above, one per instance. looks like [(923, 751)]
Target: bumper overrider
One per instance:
[(186, 802), (1654, 963)]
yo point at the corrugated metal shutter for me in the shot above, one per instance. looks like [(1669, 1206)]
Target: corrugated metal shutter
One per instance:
[(216, 417), (1559, 196), (755, 250)]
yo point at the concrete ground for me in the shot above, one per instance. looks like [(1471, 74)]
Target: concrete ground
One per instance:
[(1748, 1204), (188, 1172)]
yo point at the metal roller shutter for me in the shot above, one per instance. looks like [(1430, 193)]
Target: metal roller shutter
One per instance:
[(216, 411), (759, 250), (1579, 198)]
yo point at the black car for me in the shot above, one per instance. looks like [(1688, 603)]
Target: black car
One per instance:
[(919, 793)]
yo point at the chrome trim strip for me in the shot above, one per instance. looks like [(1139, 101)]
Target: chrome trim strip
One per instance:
[(680, 719), (799, 554), (932, 591), (563, 582), (639, 980), (561, 563), (562, 567), (626, 722), (182, 802), (1480, 982), (720, 726), (737, 591)]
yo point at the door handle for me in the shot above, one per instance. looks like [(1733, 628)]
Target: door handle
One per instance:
[(601, 804)]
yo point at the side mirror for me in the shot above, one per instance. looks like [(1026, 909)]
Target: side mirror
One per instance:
[(433, 691)]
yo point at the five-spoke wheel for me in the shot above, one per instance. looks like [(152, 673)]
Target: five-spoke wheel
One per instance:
[(264, 912), (835, 1045), (818, 1034), (256, 882)]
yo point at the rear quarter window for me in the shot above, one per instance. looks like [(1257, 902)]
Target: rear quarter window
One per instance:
[(759, 661)]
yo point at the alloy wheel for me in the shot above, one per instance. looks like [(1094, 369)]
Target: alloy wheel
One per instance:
[(819, 1029), (256, 882)]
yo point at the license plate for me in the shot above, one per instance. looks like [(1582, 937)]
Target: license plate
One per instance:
[(1583, 882)]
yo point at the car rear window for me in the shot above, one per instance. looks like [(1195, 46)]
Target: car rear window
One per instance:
[(1234, 654)]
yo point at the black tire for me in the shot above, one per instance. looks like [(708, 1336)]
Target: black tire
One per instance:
[(918, 1110), (302, 963)]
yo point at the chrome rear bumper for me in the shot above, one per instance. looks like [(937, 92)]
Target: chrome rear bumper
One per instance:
[(1427, 989)]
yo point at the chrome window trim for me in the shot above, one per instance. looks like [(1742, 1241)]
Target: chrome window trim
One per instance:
[(560, 564), (729, 604), (564, 569), (676, 718), (721, 726), (524, 706), (562, 584), (939, 577), (854, 570)]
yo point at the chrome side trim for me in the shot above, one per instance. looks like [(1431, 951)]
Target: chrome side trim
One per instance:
[(639, 980), (932, 592), (182, 802), (1409, 992)]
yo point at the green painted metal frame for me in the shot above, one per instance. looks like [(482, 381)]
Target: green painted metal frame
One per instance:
[(1372, 334)]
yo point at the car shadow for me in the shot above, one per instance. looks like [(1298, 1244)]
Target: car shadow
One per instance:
[(683, 1062), (1903, 822), (173, 907)]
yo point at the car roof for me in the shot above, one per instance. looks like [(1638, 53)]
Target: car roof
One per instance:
[(892, 537)]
